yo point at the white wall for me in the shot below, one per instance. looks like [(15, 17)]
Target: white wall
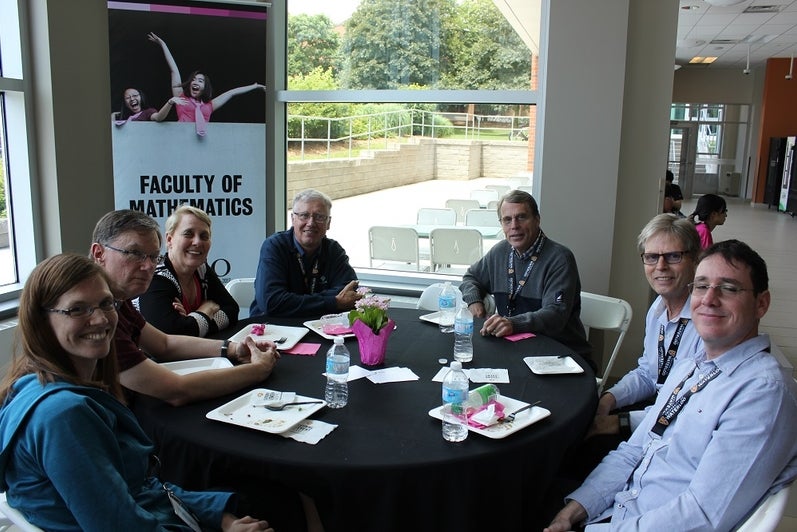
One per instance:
[(606, 96)]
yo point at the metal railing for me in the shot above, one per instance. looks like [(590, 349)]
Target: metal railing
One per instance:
[(395, 125)]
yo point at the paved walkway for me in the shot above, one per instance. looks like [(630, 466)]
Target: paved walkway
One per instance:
[(353, 216)]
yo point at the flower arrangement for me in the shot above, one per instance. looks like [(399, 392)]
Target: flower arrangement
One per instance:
[(370, 309)]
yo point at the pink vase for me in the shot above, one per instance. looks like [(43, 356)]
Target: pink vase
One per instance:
[(372, 346)]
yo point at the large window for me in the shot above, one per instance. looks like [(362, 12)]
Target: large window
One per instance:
[(17, 249), (396, 106)]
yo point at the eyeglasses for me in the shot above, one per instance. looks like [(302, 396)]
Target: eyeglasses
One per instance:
[(84, 311), (671, 257), (317, 218), (140, 256), (519, 218), (725, 290)]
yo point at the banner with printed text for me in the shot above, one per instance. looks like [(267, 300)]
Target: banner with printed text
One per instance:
[(188, 118)]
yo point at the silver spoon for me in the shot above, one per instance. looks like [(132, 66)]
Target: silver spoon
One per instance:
[(276, 407)]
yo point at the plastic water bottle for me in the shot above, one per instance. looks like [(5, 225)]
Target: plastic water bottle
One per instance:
[(463, 335), (447, 303), (455, 394), (337, 391)]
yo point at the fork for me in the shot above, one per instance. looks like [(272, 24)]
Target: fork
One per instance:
[(277, 407), (511, 417)]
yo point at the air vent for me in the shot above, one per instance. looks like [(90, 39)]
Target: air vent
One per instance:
[(762, 9), (725, 41)]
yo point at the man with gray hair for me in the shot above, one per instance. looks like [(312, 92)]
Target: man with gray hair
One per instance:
[(301, 272), (127, 244)]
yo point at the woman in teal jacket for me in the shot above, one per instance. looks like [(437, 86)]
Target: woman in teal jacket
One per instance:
[(72, 455)]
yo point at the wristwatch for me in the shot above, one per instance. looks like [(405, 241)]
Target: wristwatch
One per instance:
[(625, 424), (224, 345)]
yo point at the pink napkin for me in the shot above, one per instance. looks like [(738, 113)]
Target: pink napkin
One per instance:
[(499, 412), (302, 348), (519, 336), (336, 329)]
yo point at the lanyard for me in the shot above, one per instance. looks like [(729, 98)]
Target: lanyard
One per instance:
[(515, 287), (666, 359), (312, 283), (674, 405)]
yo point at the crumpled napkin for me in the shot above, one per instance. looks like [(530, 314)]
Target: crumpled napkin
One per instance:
[(485, 415)]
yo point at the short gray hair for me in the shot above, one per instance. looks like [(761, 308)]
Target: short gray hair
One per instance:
[(520, 196), (311, 194), (114, 223), (670, 224)]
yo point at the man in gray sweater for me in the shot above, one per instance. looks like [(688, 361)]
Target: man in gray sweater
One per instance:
[(534, 280)]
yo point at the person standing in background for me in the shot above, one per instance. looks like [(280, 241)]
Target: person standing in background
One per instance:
[(711, 211)]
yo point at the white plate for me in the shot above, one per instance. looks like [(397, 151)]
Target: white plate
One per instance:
[(315, 326), (434, 317), (273, 333), (247, 411), (552, 365), (184, 367), (502, 430)]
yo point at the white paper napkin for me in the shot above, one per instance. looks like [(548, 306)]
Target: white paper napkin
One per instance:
[(478, 375), (382, 376), (309, 431), (489, 375)]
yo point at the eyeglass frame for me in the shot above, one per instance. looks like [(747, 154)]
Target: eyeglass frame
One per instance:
[(70, 312), (658, 256), (521, 218), (316, 217), (140, 255), (725, 290)]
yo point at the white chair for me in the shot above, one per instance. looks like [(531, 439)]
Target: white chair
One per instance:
[(501, 189), (609, 314), (428, 299), (768, 514), (432, 216), (12, 519), (484, 196), (461, 206), (242, 291), (450, 246), (398, 246), (482, 218)]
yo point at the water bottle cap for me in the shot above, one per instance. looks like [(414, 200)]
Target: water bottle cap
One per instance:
[(456, 364), (338, 340)]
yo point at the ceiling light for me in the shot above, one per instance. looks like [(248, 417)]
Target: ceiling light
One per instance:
[(702, 60), (723, 3)]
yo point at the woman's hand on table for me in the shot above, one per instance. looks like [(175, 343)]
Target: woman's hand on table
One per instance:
[(230, 523)]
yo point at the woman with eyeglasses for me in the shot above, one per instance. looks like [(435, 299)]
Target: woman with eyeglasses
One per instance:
[(136, 108), (73, 456), (185, 295), (711, 211)]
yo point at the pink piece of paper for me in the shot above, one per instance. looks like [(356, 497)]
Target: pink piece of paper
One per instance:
[(519, 336), (302, 348), (336, 329)]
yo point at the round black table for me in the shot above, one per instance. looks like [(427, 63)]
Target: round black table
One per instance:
[(386, 466)]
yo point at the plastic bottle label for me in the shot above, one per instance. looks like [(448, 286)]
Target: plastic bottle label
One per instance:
[(463, 327), (446, 302), (454, 395), (337, 367)]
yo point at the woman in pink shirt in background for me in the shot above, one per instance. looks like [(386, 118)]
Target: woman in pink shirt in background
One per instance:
[(194, 98), (711, 211)]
